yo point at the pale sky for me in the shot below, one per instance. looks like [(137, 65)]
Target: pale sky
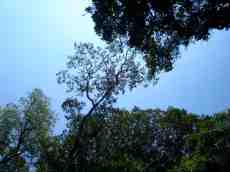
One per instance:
[(37, 36)]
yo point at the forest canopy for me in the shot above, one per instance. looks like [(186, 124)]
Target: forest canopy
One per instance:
[(171, 140), (159, 27)]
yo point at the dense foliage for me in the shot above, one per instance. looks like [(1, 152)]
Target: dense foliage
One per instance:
[(115, 140), (25, 129), (154, 140), (159, 27)]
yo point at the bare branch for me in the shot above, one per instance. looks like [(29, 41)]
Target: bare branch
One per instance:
[(87, 94)]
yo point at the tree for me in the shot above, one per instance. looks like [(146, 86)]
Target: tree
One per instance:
[(24, 128), (159, 27), (155, 140), (112, 139), (208, 146), (98, 75)]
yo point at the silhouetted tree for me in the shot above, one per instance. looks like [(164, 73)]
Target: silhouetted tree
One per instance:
[(159, 27), (98, 75)]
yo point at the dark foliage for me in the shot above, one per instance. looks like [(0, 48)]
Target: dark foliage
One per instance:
[(152, 140), (113, 140), (159, 27)]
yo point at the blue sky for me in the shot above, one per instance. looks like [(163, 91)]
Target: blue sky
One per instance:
[(37, 36)]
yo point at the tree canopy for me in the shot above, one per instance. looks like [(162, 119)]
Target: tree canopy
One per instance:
[(148, 140), (24, 129), (152, 140), (159, 27), (100, 74), (97, 76), (112, 139)]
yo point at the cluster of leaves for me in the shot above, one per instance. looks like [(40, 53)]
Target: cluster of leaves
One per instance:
[(147, 140), (159, 27), (100, 74), (24, 129)]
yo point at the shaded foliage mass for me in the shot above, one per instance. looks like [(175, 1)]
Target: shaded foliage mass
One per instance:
[(159, 27), (113, 140)]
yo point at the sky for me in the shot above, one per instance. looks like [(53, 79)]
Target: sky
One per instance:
[(37, 36)]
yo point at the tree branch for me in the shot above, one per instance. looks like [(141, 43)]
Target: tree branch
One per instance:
[(87, 94)]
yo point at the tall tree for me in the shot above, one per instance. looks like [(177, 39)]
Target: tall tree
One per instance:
[(97, 76), (24, 128)]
